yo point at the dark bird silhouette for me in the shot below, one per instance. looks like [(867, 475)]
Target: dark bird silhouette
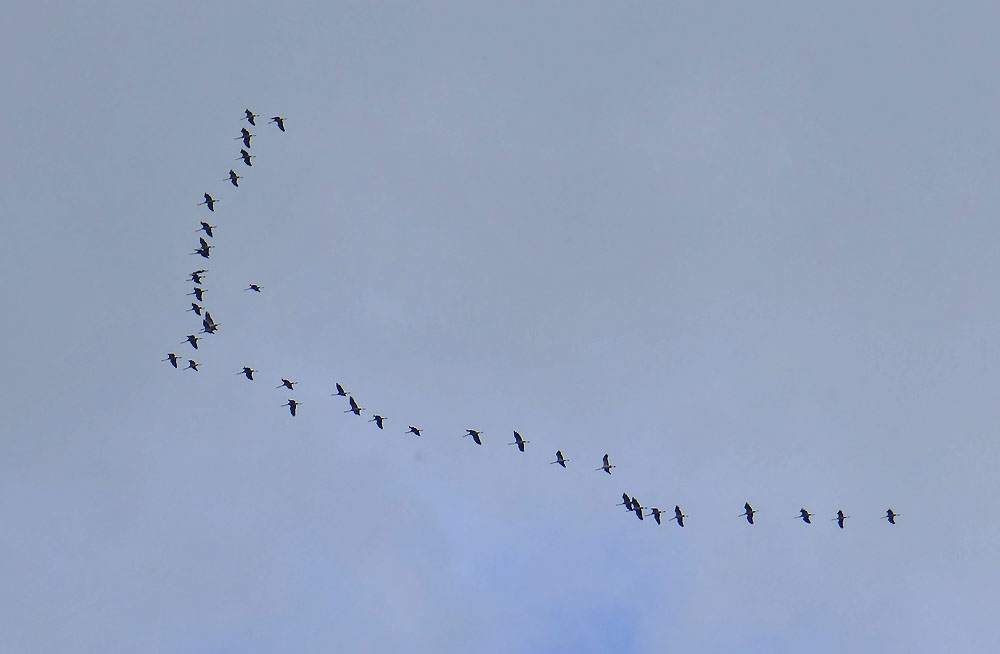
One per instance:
[(192, 339), (209, 202), (246, 157), (196, 308), (840, 518), (172, 358), (199, 294), (252, 287), (559, 459), (655, 512), (342, 392), (280, 121), (377, 419), (355, 409), (748, 512), (205, 227), (413, 430), (233, 177), (292, 405), (679, 516), (475, 435), (196, 275), (805, 515), (891, 516), (205, 249), (287, 384), (637, 508), (208, 325), (250, 116), (192, 364), (626, 502), (607, 466), (520, 442), (244, 136), (248, 372)]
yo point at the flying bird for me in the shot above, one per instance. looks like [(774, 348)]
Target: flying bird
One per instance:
[(840, 518), (196, 275), (607, 466), (287, 384), (246, 157), (475, 435), (209, 326), (199, 293), (520, 442), (637, 508), (559, 459), (377, 419), (679, 515), (412, 430), (280, 121), (244, 136), (209, 202), (655, 512), (192, 364), (341, 391), (248, 372), (234, 178), (891, 516), (252, 287), (250, 116), (355, 409), (205, 227), (748, 512), (196, 308), (172, 358), (205, 249), (192, 339), (805, 515), (291, 404)]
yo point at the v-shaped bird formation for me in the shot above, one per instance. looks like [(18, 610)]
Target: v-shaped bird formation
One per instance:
[(209, 327)]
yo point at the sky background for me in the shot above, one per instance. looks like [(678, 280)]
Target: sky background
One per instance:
[(749, 251)]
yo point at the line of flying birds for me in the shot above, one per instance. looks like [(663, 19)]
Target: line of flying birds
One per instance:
[(209, 326)]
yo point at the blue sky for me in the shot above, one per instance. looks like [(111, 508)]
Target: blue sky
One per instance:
[(747, 251)]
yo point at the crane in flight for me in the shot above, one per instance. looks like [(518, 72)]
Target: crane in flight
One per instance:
[(626, 502), (840, 518), (559, 459), (205, 227), (253, 287), (678, 515), (198, 293), (209, 326), (520, 442), (355, 409), (292, 405), (279, 120), (192, 339), (748, 512), (413, 430), (205, 250), (637, 508), (233, 177), (805, 515), (891, 516), (378, 420), (250, 116), (475, 435), (172, 358), (192, 364), (248, 372), (246, 157), (244, 136), (607, 466), (655, 512), (341, 391), (285, 383), (209, 202), (196, 275)]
